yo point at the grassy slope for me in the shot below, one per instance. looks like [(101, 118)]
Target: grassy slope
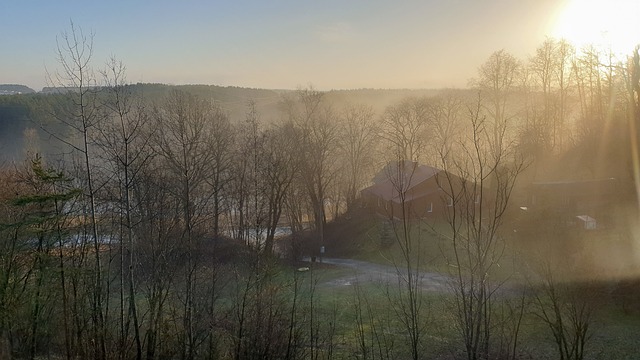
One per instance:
[(364, 236)]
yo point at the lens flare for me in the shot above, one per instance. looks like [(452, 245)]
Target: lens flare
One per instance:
[(607, 25)]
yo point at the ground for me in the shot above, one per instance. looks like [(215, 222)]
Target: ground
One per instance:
[(368, 272), (361, 252)]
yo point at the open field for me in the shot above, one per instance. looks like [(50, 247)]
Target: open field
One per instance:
[(371, 265), (614, 334)]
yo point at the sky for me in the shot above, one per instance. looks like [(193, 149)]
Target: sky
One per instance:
[(286, 44)]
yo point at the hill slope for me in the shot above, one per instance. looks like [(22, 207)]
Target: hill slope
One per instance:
[(15, 89)]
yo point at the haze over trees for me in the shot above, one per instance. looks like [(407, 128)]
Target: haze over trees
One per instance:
[(142, 221)]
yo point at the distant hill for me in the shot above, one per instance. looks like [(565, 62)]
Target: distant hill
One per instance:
[(27, 109), (235, 99), (15, 89), (232, 99), (378, 99)]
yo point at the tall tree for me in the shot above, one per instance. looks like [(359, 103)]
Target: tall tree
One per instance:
[(633, 94), (496, 79), (278, 168), (160, 256), (359, 133), (407, 300), (220, 138), (543, 66), (564, 53), (405, 129), (478, 181), (77, 81), (124, 141), (246, 212), (446, 114), (182, 140), (317, 132)]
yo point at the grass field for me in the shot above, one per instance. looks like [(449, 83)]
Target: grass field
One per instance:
[(613, 332), (373, 238)]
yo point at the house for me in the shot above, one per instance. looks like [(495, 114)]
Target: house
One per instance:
[(420, 188), (570, 198), (574, 195), (575, 205)]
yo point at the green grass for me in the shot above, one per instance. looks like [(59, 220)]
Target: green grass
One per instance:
[(344, 302), (431, 248), (614, 334)]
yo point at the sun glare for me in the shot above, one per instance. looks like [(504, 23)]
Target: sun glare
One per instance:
[(606, 24)]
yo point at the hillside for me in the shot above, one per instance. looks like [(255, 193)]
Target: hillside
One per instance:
[(25, 108), (15, 89)]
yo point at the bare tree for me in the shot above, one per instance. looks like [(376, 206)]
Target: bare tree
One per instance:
[(405, 129), (220, 138), (124, 139), (632, 81), (590, 86), (565, 53), (478, 182), (550, 73), (279, 166), (261, 322), (568, 313), (497, 78), (356, 143), (543, 67), (244, 216), (183, 139), (251, 210), (158, 253), (76, 78), (317, 132), (407, 299), (371, 327), (446, 113)]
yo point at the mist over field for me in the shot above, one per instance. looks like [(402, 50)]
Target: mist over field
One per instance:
[(404, 204)]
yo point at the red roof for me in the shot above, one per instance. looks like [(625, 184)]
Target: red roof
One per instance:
[(403, 180)]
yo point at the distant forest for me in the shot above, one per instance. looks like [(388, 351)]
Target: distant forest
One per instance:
[(35, 110), (8, 89)]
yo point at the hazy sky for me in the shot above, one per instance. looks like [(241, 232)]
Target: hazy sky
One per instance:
[(332, 44)]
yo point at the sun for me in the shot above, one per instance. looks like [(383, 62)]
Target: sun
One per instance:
[(606, 24)]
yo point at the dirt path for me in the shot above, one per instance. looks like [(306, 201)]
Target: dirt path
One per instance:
[(364, 271)]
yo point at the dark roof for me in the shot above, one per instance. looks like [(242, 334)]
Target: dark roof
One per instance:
[(601, 186), (573, 182), (407, 179)]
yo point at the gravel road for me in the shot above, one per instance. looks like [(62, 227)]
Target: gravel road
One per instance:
[(364, 271)]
